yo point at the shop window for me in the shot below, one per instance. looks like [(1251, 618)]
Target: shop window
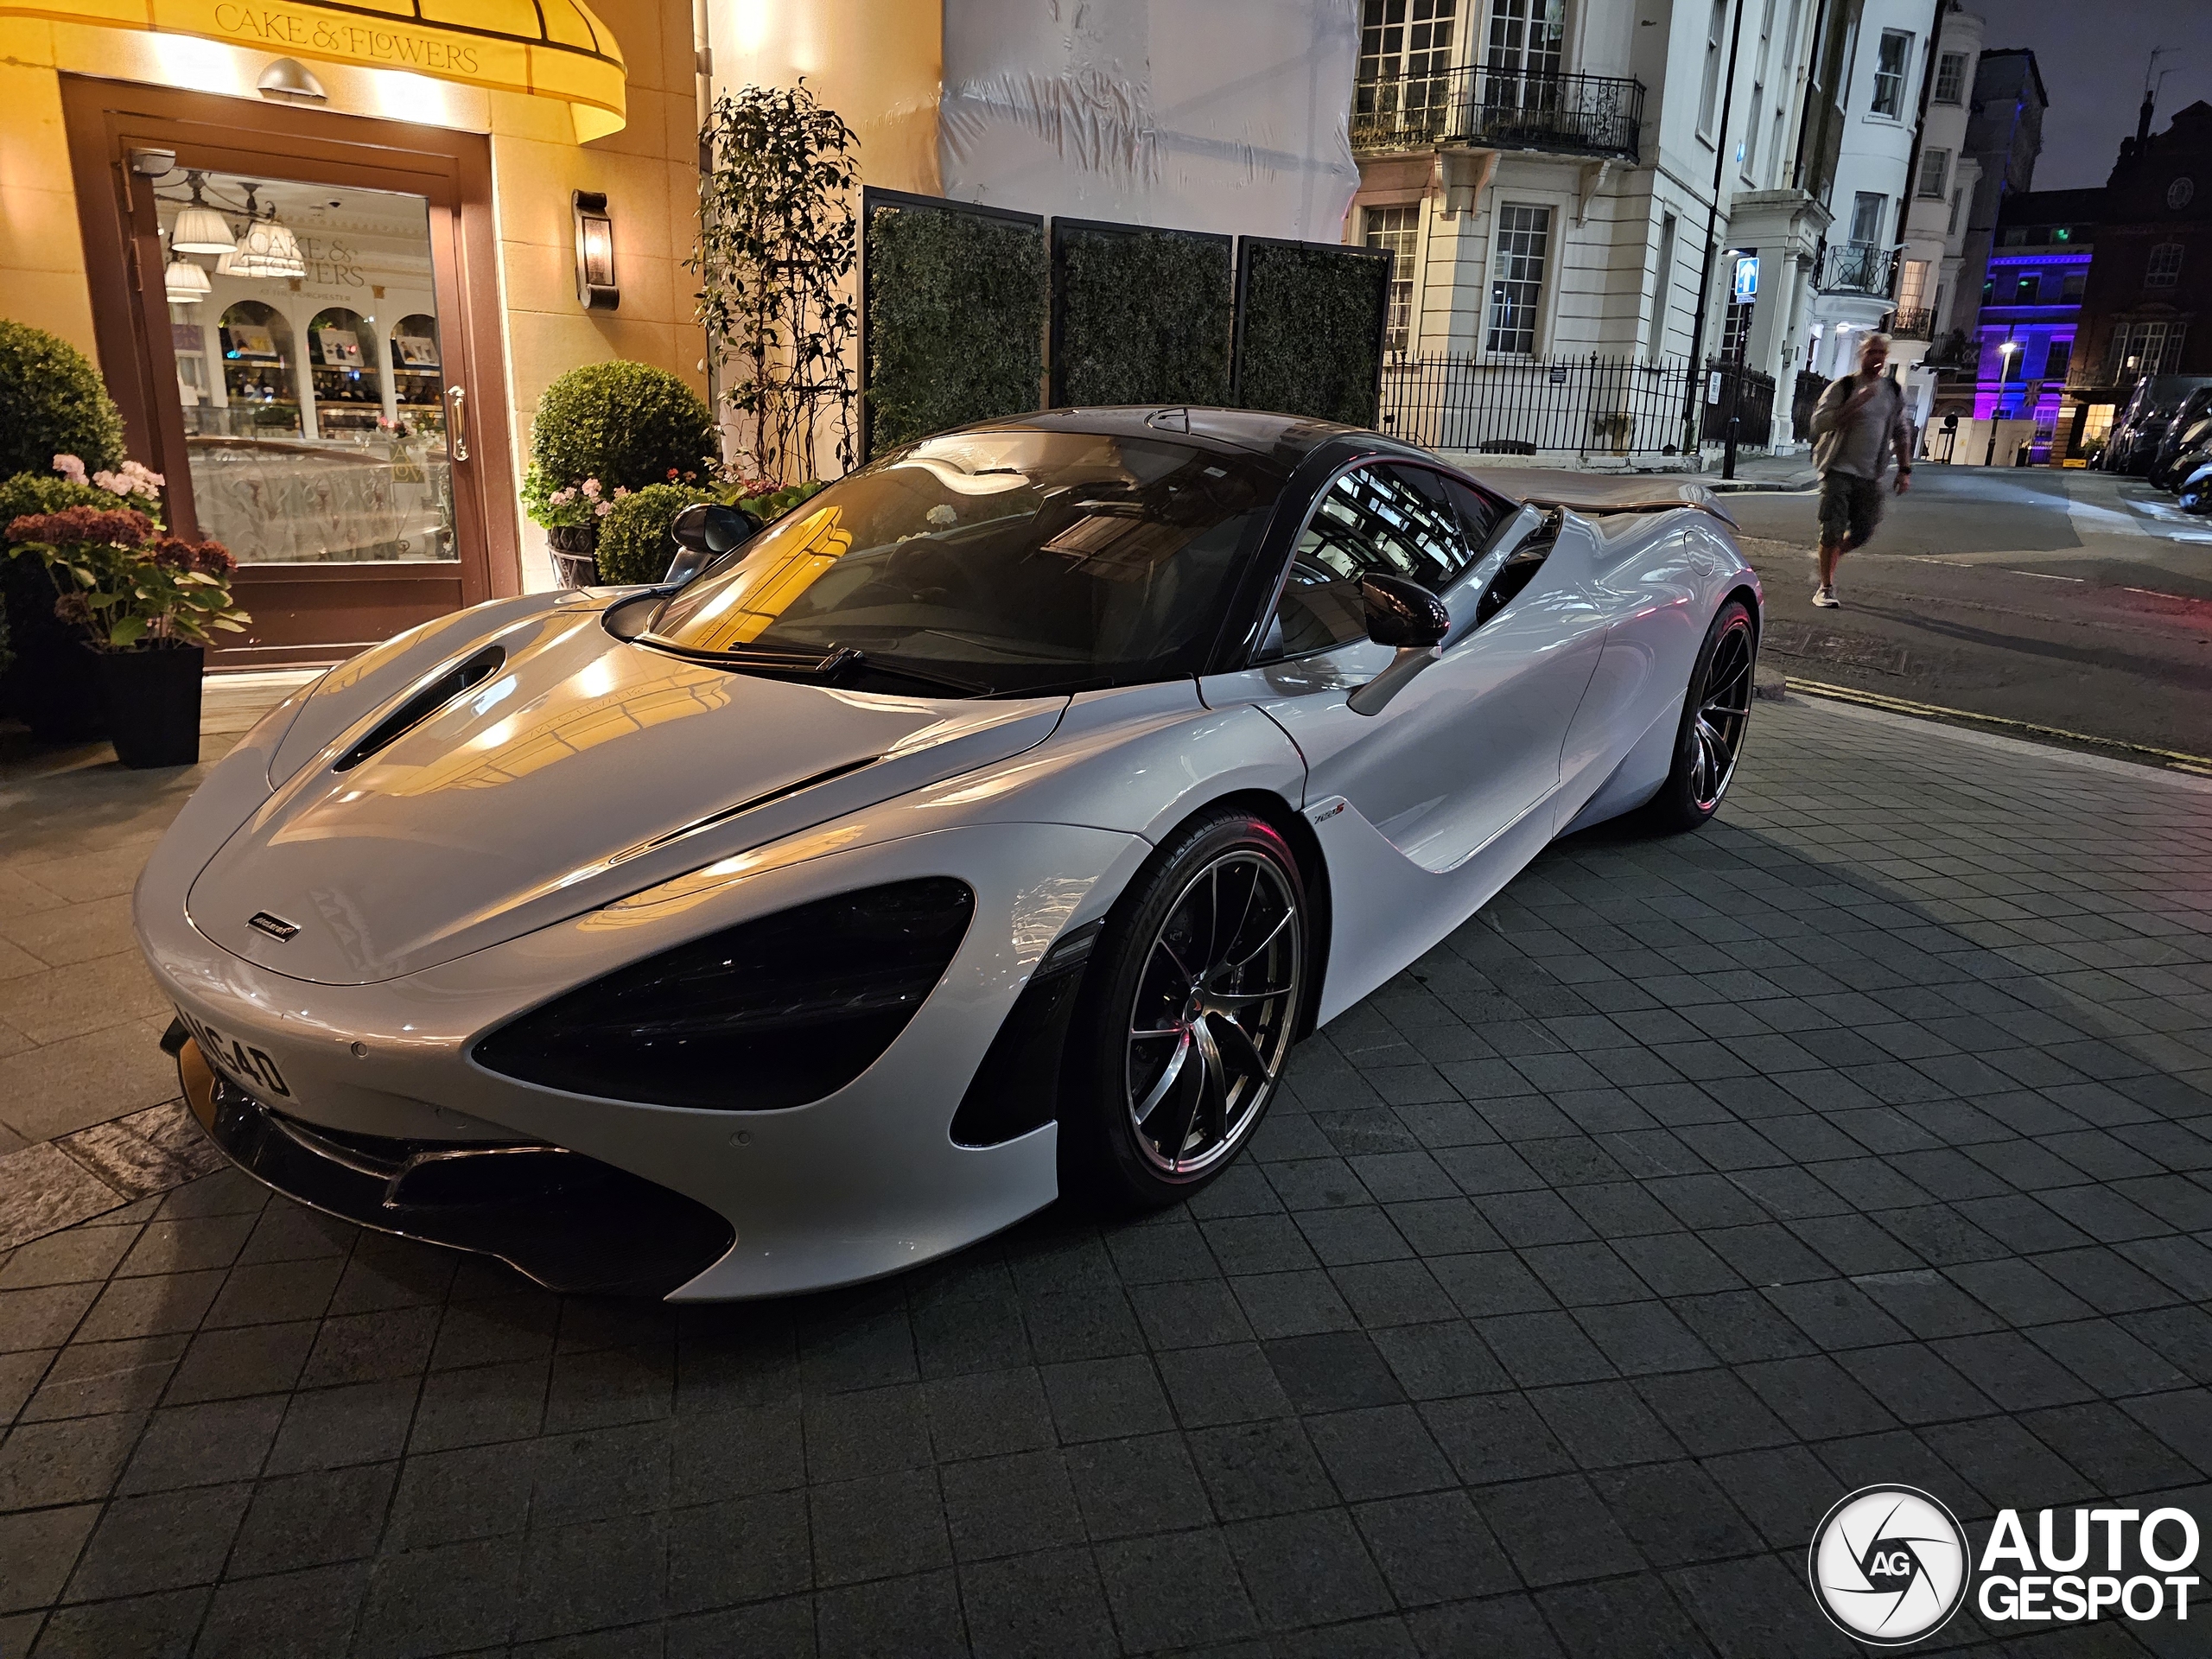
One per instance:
[(263, 398), (342, 367), (2165, 269), (416, 365)]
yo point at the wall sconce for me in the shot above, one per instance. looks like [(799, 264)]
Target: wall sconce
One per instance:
[(596, 289), (287, 80)]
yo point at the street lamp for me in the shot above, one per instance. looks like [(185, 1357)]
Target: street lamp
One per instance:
[(1997, 409)]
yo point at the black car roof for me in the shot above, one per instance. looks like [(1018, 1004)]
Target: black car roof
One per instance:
[(1285, 440)]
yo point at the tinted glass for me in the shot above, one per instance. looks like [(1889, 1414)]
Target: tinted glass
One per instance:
[(1398, 520), (1011, 561)]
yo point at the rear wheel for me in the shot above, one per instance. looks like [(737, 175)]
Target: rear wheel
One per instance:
[(1188, 1013), (1716, 715)]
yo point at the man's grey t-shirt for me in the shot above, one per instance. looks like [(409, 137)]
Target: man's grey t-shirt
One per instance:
[(1861, 444)]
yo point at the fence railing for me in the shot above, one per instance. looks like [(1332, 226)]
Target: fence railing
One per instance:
[(1589, 405), (1804, 393), (1913, 325), (1581, 115), (1752, 407), (1856, 268)]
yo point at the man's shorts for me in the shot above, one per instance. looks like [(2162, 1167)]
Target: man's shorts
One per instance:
[(1850, 508)]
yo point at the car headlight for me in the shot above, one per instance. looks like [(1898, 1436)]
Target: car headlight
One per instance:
[(772, 1012)]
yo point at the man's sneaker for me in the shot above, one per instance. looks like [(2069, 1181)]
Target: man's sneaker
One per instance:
[(1825, 598)]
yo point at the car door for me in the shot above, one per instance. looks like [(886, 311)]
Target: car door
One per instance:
[(1470, 746)]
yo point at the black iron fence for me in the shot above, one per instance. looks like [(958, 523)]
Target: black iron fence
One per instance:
[(1581, 115), (1746, 396), (1913, 325), (1589, 405), (1804, 392)]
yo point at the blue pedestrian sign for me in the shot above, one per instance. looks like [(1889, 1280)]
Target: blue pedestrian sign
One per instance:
[(1747, 278)]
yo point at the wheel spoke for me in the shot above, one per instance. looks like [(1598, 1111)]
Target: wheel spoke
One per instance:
[(1236, 1048), (1240, 961), (1171, 1031), (1176, 962), (1164, 1082), (1266, 996), (1210, 1102)]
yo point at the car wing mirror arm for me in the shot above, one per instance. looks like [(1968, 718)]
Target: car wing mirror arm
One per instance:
[(1408, 618), (702, 533)]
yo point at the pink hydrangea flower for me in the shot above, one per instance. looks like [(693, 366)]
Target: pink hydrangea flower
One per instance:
[(70, 467)]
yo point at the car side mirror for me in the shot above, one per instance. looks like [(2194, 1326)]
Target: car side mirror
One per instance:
[(702, 533), (1408, 618)]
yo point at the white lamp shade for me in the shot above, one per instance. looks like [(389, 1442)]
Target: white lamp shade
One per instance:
[(269, 250), (201, 229), (185, 283)]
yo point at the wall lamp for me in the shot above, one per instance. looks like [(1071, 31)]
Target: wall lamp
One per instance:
[(596, 289)]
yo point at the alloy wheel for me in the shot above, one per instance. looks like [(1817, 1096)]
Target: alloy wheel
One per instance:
[(1723, 714), (1211, 1023)]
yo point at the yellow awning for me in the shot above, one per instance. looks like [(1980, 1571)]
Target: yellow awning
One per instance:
[(549, 48)]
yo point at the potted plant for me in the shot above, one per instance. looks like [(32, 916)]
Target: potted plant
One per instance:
[(143, 605), (50, 684), (604, 431)]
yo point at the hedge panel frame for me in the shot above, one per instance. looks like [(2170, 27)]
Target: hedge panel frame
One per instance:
[(1059, 397), (1382, 258)]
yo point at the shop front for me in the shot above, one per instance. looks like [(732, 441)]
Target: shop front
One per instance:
[(324, 290)]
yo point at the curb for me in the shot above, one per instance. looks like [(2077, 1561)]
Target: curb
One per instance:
[(2143, 754)]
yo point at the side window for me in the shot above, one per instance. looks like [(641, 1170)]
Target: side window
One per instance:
[(1399, 520)]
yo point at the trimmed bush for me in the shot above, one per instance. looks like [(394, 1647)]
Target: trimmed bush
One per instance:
[(623, 424), (1310, 339), (633, 544), (53, 402), (955, 320), (1141, 317)]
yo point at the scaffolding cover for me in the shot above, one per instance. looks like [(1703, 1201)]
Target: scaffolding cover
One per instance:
[(1230, 115)]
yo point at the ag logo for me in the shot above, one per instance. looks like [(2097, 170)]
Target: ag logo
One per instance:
[(1889, 1565)]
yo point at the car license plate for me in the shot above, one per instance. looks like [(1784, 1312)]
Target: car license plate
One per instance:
[(250, 1068)]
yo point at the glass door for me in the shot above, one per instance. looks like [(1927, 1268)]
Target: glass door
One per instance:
[(308, 370)]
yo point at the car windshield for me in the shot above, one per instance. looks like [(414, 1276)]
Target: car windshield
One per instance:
[(999, 561)]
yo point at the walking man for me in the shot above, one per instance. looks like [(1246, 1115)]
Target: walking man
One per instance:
[(1860, 420)]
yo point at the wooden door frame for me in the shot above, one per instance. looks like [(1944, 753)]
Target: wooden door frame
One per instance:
[(104, 120)]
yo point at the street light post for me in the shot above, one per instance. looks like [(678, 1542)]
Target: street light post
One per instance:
[(1997, 409)]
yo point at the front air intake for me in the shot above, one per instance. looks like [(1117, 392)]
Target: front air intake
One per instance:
[(772, 1012), (454, 682)]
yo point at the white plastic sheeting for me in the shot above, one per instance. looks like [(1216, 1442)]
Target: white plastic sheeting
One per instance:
[(1216, 115)]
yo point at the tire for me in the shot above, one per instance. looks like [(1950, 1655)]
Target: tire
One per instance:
[(1716, 715), (1144, 1042)]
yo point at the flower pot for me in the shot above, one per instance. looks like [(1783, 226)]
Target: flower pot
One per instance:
[(573, 549), (151, 696)]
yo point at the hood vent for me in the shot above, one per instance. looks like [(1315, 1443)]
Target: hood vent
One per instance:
[(454, 682)]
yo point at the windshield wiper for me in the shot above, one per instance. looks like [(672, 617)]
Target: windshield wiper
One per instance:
[(836, 663)]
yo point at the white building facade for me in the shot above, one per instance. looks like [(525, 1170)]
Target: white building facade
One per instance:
[(1931, 304), (1562, 179), (1855, 288)]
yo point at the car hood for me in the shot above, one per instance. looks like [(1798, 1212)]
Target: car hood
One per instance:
[(584, 768)]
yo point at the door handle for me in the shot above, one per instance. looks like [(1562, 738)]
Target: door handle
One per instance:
[(457, 420)]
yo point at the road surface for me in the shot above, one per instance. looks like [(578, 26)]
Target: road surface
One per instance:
[(2066, 599)]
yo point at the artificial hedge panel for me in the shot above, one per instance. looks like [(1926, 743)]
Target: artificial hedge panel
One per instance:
[(1309, 336), (1139, 316), (955, 319)]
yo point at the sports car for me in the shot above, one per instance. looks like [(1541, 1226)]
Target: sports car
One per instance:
[(991, 824)]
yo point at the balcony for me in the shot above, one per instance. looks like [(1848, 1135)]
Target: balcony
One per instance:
[(1497, 109), (1862, 267), (1913, 325)]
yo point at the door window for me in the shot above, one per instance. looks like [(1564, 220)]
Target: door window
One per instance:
[(309, 369), (1399, 521)]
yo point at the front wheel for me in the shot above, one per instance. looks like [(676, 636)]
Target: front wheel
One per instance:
[(1716, 714), (1189, 1010)]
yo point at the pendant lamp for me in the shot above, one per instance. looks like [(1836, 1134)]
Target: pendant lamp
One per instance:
[(200, 228), (184, 281)]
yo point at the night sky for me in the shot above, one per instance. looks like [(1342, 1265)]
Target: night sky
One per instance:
[(2091, 55)]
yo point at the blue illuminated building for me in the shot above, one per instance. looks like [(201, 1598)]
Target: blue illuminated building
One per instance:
[(2032, 307)]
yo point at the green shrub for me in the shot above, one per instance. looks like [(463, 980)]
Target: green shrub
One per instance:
[(1143, 316), (623, 424), (1311, 339), (42, 492), (53, 402), (955, 320), (633, 544)]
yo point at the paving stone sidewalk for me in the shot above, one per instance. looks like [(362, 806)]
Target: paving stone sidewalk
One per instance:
[(1862, 1137)]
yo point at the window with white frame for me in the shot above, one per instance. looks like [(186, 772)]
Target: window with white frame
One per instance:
[(1951, 78), (1867, 216), (1958, 205), (1913, 285), (2165, 269), (1891, 58), (1528, 37), (1397, 231), (1517, 284), (1708, 98), (1935, 172), (1405, 58), (2152, 346)]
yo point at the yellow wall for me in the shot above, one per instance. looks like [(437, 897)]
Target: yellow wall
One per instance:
[(648, 171)]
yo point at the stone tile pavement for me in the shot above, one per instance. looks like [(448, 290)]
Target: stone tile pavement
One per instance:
[(1865, 1136)]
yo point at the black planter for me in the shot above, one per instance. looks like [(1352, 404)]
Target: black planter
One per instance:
[(152, 700), (573, 547)]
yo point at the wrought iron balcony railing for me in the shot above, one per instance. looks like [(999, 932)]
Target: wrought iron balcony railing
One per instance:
[(1575, 115), (1913, 325), (1857, 268)]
